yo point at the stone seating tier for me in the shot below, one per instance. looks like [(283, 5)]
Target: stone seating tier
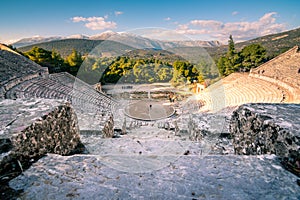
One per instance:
[(15, 69), (240, 89), (283, 70), (81, 95)]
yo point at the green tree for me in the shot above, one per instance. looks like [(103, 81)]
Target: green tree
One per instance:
[(39, 55), (221, 65), (231, 48), (57, 62), (184, 71), (74, 60), (252, 55), (231, 62), (50, 59)]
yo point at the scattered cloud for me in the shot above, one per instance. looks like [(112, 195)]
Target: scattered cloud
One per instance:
[(209, 24), (234, 13), (167, 19), (242, 30), (95, 23), (117, 13), (78, 19)]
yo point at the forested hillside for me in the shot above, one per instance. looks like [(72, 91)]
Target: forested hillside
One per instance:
[(274, 44)]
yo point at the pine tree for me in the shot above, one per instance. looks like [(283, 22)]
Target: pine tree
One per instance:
[(231, 48), (231, 62)]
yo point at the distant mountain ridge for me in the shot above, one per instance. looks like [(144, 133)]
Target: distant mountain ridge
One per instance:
[(34, 40), (275, 44), (125, 37)]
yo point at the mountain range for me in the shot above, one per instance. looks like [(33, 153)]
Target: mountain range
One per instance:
[(126, 38), (275, 44)]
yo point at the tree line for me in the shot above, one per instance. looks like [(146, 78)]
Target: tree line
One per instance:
[(125, 69), (150, 69), (121, 69), (54, 61), (249, 57)]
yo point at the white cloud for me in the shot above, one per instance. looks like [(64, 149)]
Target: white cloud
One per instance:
[(167, 19), (117, 13), (234, 13), (242, 30), (95, 23), (268, 18), (78, 19), (208, 24)]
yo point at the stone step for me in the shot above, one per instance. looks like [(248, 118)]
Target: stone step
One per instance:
[(186, 177)]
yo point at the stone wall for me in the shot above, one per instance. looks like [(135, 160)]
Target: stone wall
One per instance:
[(34, 127), (267, 129)]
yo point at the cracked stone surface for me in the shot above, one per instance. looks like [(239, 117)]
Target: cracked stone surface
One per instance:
[(33, 127), (266, 128), (187, 177), (16, 115), (144, 149)]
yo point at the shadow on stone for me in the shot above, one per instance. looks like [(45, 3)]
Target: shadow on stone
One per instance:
[(5, 145)]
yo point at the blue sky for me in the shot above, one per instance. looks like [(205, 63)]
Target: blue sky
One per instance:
[(204, 20)]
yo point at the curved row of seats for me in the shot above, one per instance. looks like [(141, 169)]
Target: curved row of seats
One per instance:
[(22, 78), (63, 86), (251, 90), (240, 89), (15, 68), (284, 68)]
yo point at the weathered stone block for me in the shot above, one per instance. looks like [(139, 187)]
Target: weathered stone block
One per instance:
[(266, 129), (32, 128)]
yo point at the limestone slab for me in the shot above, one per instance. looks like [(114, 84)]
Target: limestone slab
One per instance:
[(188, 177)]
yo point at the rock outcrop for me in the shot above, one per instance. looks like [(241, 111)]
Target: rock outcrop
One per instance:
[(32, 128), (267, 129)]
